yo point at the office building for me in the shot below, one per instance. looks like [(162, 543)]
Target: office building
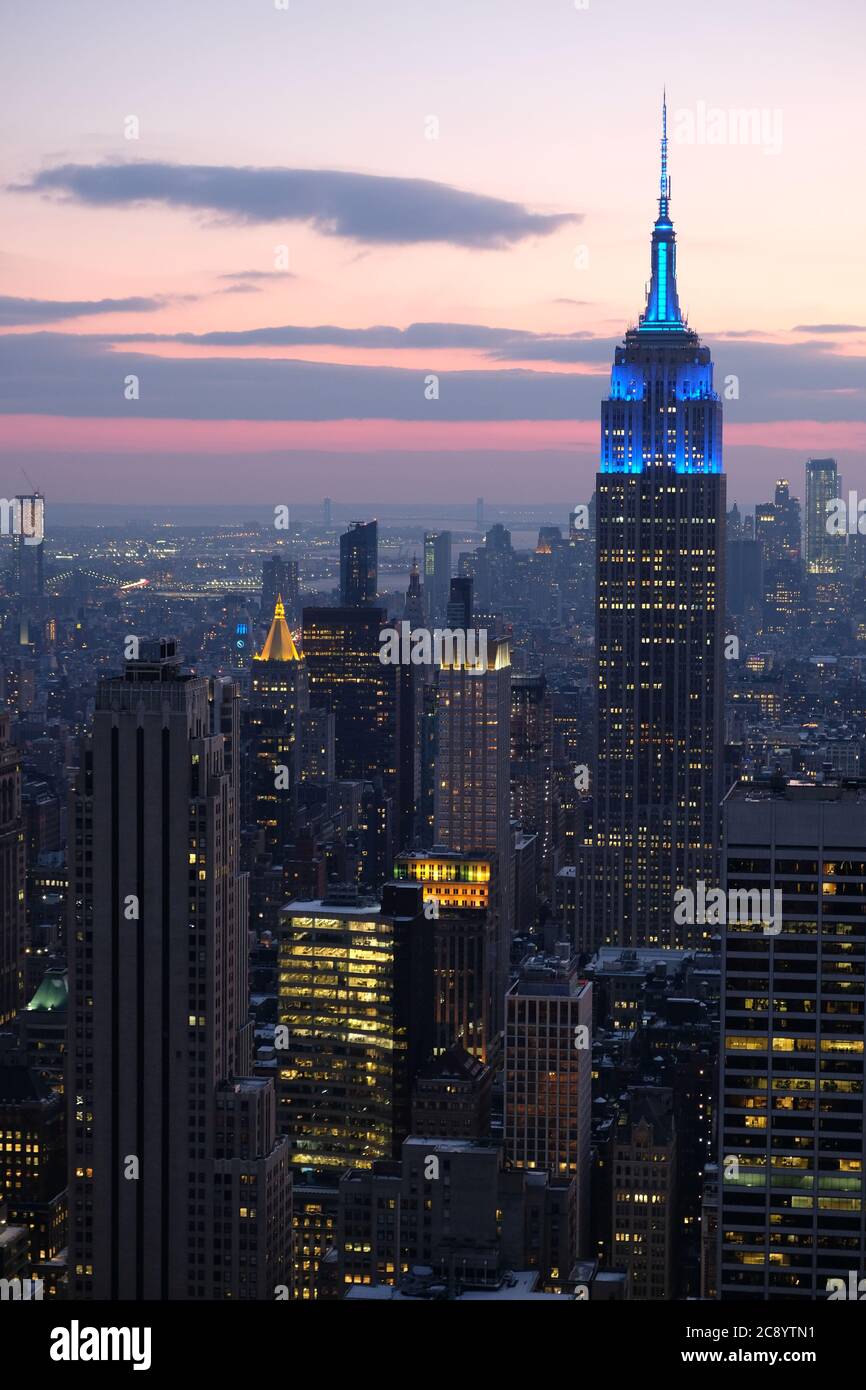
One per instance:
[(644, 1193), (280, 581), (532, 768), (341, 647), (548, 1081), (359, 564), (272, 721), (453, 1207), (791, 1117), (824, 552), (165, 1127), (437, 573), (473, 791), (451, 1096), (32, 1158), (317, 763), (463, 900), (356, 999)]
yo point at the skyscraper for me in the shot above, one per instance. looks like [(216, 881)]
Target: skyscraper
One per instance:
[(29, 547), (278, 701), (791, 1118), (659, 634), (29, 561), (472, 788), (824, 552), (356, 996), (466, 942), (437, 573), (532, 767), (548, 1071), (413, 608), (12, 876), (170, 1144), (341, 647), (280, 580), (359, 564), (644, 1193)]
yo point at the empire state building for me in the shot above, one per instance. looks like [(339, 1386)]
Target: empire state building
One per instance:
[(660, 516)]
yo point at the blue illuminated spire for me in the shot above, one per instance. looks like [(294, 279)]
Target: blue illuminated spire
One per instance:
[(663, 307)]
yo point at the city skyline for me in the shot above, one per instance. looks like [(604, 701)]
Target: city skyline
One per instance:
[(414, 887)]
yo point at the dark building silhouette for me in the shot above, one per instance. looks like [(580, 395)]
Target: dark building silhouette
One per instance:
[(280, 581), (451, 1099), (12, 875), (163, 1117), (359, 564), (341, 647)]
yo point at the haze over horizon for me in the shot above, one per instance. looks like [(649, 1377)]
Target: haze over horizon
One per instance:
[(283, 257)]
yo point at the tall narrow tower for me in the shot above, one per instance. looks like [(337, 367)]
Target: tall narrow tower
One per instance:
[(168, 1135), (659, 635), (359, 564), (824, 553), (473, 791)]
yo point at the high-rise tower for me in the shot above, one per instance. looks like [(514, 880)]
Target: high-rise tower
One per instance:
[(791, 1110), (169, 1139), (472, 790), (359, 564), (824, 552), (660, 604), (277, 703)]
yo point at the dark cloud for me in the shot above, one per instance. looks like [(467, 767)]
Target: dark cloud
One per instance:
[(829, 328), (70, 374), (244, 275), (83, 375), (498, 344), (14, 311), (362, 207), (505, 343)]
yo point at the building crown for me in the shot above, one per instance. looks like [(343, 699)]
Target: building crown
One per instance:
[(279, 643)]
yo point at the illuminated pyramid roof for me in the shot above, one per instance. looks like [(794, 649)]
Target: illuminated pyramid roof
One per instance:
[(279, 644), (53, 992)]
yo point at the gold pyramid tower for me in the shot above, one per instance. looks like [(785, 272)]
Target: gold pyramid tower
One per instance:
[(279, 644)]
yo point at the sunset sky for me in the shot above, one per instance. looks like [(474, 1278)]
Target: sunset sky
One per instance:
[(506, 255)]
